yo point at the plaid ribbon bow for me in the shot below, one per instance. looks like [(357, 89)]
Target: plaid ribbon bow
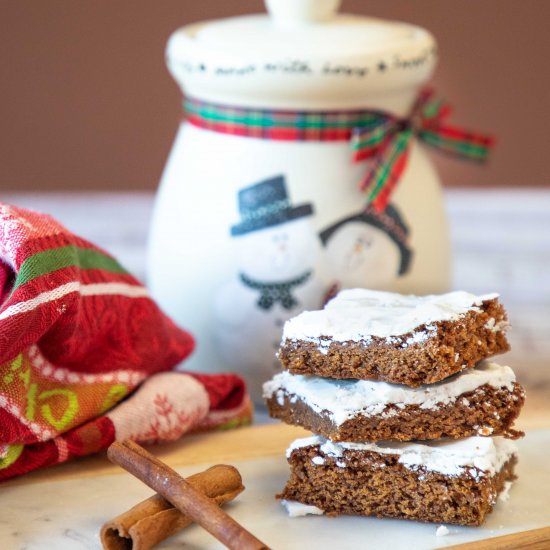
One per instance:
[(387, 144)]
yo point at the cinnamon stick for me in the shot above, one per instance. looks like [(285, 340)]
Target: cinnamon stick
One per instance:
[(535, 539), (155, 519), (181, 494)]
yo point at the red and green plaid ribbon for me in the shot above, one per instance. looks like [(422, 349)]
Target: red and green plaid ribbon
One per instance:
[(279, 125), (381, 138)]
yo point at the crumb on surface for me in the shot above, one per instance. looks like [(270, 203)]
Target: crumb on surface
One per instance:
[(441, 531), (505, 493)]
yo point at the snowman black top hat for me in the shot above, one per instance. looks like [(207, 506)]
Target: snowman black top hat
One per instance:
[(388, 221), (266, 204)]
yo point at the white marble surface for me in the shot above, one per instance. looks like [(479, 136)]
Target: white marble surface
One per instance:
[(500, 241), (67, 515)]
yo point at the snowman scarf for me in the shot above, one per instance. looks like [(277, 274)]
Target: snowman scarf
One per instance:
[(85, 354), (271, 293)]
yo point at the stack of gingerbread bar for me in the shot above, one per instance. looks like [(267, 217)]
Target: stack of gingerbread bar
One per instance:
[(410, 419)]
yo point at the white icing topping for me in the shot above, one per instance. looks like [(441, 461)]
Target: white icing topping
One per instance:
[(493, 326), (345, 399), (359, 314), (476, 456), (296, 509), (304, 442)]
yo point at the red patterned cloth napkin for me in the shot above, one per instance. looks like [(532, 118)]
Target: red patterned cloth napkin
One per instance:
[(84, 352)]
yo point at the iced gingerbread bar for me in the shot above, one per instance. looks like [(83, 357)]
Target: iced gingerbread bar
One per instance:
[(443, 481), (481, 401), (411, 340)]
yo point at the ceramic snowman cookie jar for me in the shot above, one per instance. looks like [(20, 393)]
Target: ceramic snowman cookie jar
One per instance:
[(297, 171)]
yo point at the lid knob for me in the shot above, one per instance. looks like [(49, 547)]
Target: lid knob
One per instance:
[(290, 13)]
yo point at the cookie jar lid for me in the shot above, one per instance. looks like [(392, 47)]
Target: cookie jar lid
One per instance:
[(302, 55)]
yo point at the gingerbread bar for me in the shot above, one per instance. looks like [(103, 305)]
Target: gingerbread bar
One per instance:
[(411, 340), (482, 401), (442, 481)]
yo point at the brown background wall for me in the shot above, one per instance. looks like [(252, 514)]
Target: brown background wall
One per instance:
[(86, 102)]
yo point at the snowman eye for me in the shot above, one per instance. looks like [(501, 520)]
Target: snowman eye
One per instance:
[(280, 237), (364, 241)]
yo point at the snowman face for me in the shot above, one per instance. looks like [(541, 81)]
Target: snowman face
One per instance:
[(279, 253), (361, 255)]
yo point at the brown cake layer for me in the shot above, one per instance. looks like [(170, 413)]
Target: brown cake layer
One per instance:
[(450, 347), (373, 484), (484, 411)]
